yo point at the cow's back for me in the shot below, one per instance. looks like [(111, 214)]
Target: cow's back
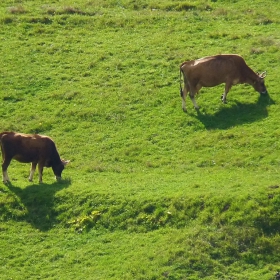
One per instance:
[(43, 148), (10, 142), (213, 70), (28, 147)]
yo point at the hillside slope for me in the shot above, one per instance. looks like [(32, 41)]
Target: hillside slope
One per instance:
[(151, 192)]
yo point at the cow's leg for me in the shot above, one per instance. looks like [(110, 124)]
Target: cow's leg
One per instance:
[(193, 91), (193, 101), (224, 96), (32, 170), (40, 169), (5, 165)]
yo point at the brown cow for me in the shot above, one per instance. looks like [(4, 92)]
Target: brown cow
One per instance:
[(34, 148), (211, 71)]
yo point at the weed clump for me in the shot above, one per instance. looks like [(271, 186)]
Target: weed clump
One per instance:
[(17, 10)]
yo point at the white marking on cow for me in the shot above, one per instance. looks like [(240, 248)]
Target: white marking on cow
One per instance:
[(5, 177), (32, 171)]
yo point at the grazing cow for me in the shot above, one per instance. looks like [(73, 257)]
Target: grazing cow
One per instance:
[(34, 148), (211, 71)]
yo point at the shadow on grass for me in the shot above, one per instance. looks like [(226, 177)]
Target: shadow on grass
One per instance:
[(39, 201), (236, 115)]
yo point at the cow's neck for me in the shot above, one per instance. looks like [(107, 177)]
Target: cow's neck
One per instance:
[(249, 77)]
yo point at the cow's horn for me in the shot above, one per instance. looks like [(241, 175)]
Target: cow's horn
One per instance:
[(65, 162)]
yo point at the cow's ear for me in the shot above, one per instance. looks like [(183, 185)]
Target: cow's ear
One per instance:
[(65, 162)]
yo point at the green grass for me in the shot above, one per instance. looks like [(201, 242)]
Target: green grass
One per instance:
[(151, 192)]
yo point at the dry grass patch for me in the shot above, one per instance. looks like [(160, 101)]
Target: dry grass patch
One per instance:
[(17, 10)]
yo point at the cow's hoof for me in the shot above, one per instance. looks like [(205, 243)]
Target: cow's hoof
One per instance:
[(196, 108), (184, 110)]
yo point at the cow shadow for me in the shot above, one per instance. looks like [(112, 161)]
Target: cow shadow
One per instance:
[(38, 201), (238, 114)]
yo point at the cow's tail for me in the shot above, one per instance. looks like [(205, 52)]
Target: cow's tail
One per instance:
[(180, 79), (2, 134)]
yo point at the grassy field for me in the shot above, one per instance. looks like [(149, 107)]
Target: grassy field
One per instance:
[(151, 192)]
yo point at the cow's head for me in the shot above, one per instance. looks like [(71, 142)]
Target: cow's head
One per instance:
[(57, 169), (259, 83)]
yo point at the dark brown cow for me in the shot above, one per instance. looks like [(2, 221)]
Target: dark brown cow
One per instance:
[(34, 148), (211, 71)]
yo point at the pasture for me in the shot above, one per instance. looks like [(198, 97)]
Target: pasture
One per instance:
[(151, 192)]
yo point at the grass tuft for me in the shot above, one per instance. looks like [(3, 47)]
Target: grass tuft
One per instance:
[(150, 192)]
